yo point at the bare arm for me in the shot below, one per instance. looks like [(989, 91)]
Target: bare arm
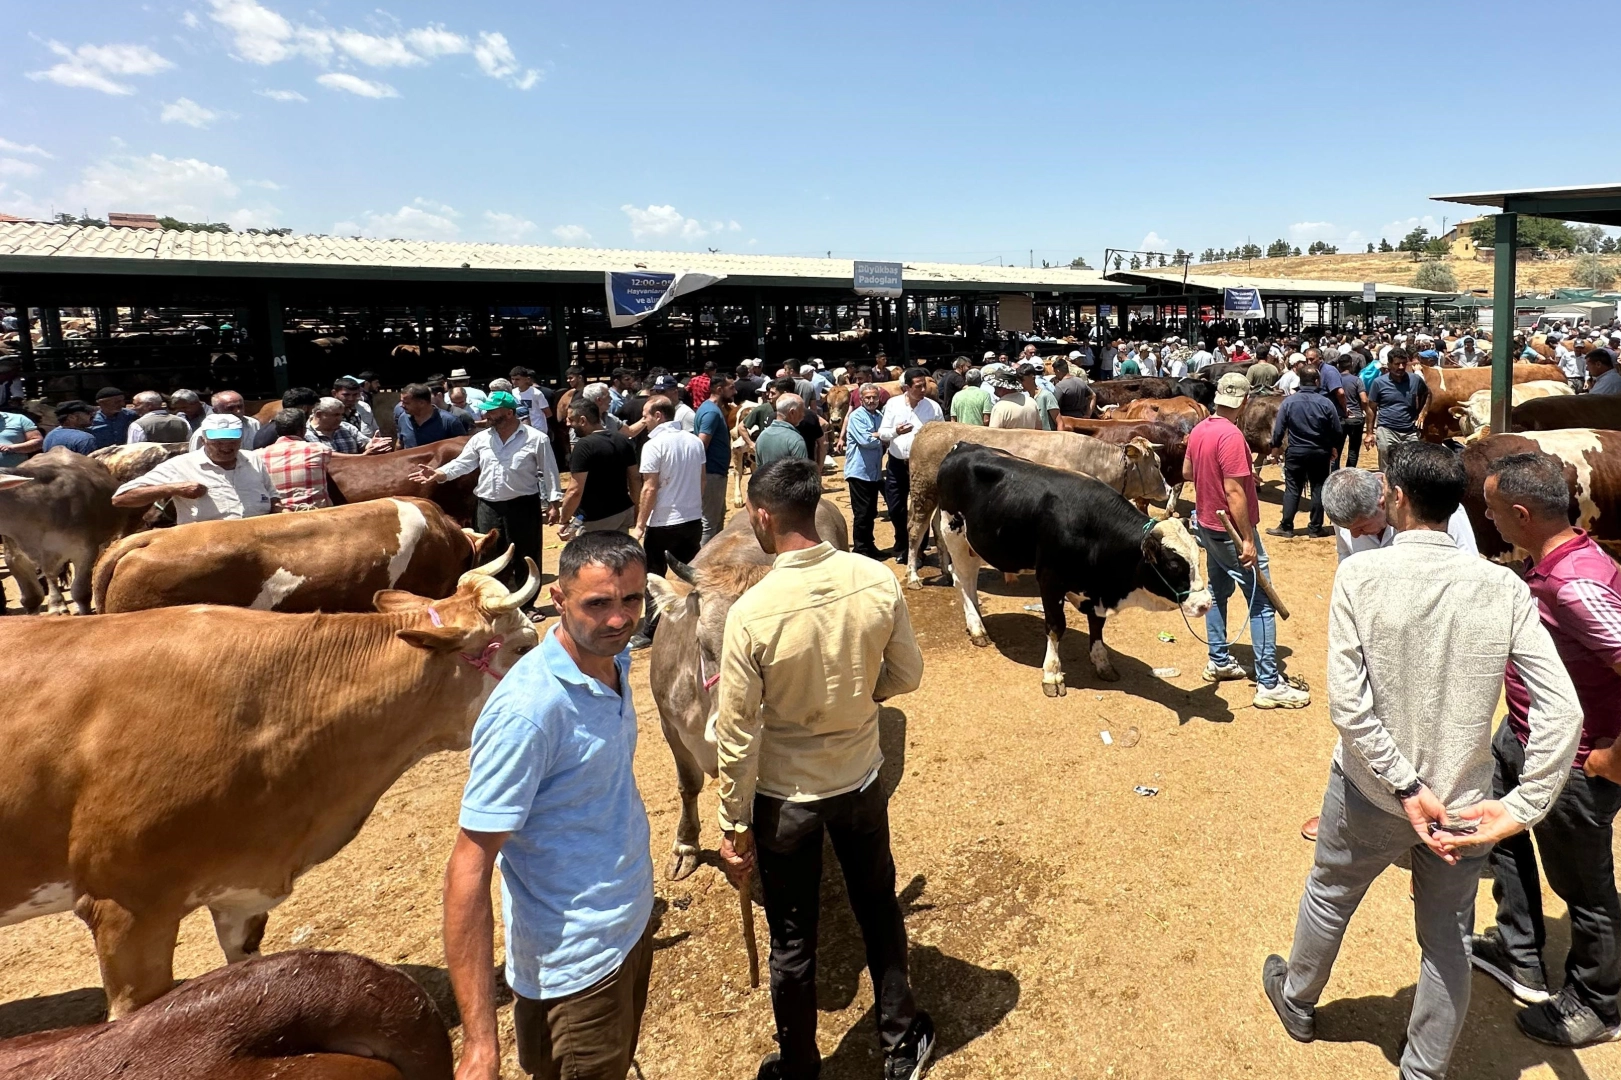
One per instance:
[(576, 491), (142, 497), (648, 496), (633, 483), (469, 931)]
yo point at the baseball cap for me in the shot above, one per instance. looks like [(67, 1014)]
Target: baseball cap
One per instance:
[(1075, 355), (499, 400), (1031, 367), (1232, 389), (221, 426), (663, 383)]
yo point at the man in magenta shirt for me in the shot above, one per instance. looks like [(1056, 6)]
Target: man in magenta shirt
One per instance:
[(1578, 592), (1219, 458)]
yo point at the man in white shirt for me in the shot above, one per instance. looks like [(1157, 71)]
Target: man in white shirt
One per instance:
[(1355, 502), (1289, 381), (670, 516), (685, 417), (903, 415), (1574, 367), (525, 390), (516, 474), (1201, 359), (212, 483)]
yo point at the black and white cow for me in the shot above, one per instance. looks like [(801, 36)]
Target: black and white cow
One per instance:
[(1085, 542)]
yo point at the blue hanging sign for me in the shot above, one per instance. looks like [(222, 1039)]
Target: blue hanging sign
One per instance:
[(633, 295), (1242, 303)]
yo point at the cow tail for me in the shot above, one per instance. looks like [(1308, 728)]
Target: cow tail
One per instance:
[(102, 576)]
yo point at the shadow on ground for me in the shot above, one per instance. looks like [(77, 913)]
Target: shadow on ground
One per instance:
[(68, 1009)]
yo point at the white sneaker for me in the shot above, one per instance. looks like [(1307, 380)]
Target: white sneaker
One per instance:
[(1212, 673), (1281, 696)]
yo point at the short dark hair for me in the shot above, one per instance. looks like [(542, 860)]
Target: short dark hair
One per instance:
[(1431, 475), (1396, 354), (1060, 366), (344, 382), (299, 397), (789, 488), (523, 372), (585, 409), (417, 392), (574, 369), (661, 406), (1535, 481), (709, 366), (743, 369), (913, 373), (1602, 356), (1310, 376), (783, 386), (615, 550), (369, 376), (624, 373), (290, 422)]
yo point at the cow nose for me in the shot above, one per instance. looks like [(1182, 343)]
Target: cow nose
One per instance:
[(1197, 604)]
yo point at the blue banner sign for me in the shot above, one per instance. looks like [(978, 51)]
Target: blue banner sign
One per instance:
[(878, 279), (633, 295), (1242, 303)]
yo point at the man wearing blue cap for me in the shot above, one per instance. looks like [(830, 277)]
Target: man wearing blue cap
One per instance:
[(516, 475)]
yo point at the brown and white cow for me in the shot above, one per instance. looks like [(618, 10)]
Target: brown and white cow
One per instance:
[(271, 740), (335, 559), (56, 513), (1475, 413), (1132, 469), (684, 662), (1592, 471), (353, 478), (1453, 386)]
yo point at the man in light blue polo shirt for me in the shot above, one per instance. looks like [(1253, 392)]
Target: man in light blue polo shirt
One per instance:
[(551, 799), (864, 469)]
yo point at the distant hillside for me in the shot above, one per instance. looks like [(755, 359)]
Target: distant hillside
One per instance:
[(1393, 268)]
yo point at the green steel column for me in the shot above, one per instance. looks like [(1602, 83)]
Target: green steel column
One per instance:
[(902, 321), (1503, 319), (278, 347)]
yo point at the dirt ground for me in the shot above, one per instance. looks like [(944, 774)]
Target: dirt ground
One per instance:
[(1061, 925)]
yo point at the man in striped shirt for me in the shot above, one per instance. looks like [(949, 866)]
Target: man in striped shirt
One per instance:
[(296, 466), (1577, 588)]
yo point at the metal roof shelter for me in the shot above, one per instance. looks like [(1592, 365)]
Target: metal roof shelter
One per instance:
[(1175, 286), (1593, 204), (69, 265)]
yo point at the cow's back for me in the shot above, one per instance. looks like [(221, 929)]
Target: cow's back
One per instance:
[(353, 478), (1601, 411), (319, 560)]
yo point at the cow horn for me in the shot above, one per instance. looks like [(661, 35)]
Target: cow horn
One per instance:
[(1156, 446), (681, 570), (492, 568), (531, 587)]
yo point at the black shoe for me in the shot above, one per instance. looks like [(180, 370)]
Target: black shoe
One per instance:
[(772, 1068), (1301, 1027), (1564, 1020), (1318, 534), (1288, 534), (1488, 953), (910, 1059)]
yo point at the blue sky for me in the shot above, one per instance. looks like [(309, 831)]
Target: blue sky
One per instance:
[(946, 131)]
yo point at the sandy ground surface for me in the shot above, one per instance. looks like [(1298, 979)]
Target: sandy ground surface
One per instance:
[(1398, 267), (1061, 925)]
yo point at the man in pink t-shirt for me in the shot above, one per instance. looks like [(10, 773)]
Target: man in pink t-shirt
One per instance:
[(1219, 458)]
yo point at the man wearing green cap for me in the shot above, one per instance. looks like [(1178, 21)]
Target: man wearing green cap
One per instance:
[(516, 475)]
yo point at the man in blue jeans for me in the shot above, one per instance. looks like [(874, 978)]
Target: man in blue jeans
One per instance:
[(1219, 459)]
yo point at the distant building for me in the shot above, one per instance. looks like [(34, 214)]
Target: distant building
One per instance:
[(133, 221), (1460, 241)]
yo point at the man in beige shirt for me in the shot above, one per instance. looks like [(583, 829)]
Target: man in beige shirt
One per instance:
[(809, 653), (1013, 407)]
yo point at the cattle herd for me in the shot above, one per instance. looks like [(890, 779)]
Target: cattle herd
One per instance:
[(131, 812)]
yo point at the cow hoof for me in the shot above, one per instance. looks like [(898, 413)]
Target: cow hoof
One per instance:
[(982, 640), (682, 865), (1053, 689), (737, 504), (913, 581)]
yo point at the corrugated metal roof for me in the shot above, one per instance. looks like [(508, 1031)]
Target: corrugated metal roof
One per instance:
[(24, 245), (1276, 286)]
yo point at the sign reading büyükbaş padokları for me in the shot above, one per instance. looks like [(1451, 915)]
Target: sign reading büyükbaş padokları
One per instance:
[(878, 279), (1242, 303), (633, 295)]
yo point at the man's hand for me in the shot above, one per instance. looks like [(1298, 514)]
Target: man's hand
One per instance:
[(1495, 824), (479, 1062), (737, 856), (424, 475), (378, 444), (554, 513), (902, 429), (188, 491), (1246, 553), (1422, 809), (1604, 762), (641, 535), (1367, 441)]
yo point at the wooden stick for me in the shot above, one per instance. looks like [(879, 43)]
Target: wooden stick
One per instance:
[(745, 903), (1260, 575)]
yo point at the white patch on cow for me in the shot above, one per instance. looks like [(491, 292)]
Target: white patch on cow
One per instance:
[(1136, 598), (44, 900), (1175, 536), (413, 525), (1572, 446), (278, 587), (965, 574), (234, 898)]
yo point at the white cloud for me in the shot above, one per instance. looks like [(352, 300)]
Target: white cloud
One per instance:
[(354, 84), (283, 95), (665, 223), (91, 67), (260, 35), (21, 204), (422, 220), (374, 51), (183, 187), (435, 40), (268, 185), (190, 20), (1154, 242), (14, 167), (188, 112), (19, 148), (1307, 231), (242, 219), (508, 227), (572, 234)]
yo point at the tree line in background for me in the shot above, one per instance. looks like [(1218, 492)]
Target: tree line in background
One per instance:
[(1542, 234)]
